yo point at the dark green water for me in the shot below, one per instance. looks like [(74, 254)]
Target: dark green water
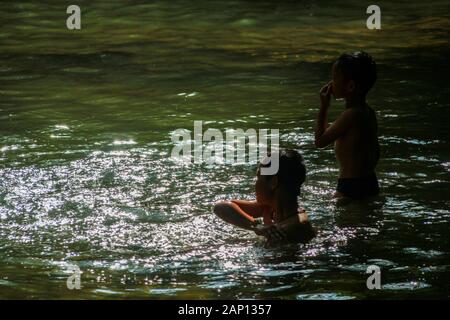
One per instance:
[(86, 119)]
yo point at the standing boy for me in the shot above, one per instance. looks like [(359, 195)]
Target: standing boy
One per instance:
[(354, 133)]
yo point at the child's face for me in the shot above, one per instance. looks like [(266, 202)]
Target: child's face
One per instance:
[(340, 87), (263, 189)]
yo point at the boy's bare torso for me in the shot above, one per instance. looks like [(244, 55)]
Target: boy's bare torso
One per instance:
[(357, 151)]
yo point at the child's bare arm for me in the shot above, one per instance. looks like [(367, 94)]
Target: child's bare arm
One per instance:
[(322, 119), (324, 134), (253, 208), (240, 213), (336, 130), (296, 228)]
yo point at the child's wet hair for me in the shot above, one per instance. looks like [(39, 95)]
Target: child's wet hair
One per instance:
[(359, 67), (291, 171)]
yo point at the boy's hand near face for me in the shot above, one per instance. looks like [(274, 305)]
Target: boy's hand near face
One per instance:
[(322, 121), (325, 95)]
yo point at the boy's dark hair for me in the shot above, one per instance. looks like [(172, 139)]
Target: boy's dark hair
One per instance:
[(359, 67), (291, 171)]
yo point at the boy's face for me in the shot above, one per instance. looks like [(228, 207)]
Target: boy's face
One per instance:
[(341, 88)]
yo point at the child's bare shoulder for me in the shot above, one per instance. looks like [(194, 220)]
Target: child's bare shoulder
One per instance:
[(358, 113), (350, 115)]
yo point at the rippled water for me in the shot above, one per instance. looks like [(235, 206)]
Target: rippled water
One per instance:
[(86, 118)]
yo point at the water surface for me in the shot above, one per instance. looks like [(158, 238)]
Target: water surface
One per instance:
[(86, 119)]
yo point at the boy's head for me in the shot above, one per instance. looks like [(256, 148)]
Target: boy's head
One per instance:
[(286, 182), (353, 74)]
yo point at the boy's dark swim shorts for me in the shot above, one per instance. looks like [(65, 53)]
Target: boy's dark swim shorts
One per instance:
[(359, 188)]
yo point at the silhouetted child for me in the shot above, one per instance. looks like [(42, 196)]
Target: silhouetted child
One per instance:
[(276, 203), (354, 132)]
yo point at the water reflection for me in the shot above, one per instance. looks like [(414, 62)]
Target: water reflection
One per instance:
[(85, 177)]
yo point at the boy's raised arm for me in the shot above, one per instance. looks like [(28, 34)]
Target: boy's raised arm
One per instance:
[(324, 134), (324, 137)]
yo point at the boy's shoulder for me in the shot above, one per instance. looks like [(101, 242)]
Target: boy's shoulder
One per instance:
[(350, 115), (358, 113)]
